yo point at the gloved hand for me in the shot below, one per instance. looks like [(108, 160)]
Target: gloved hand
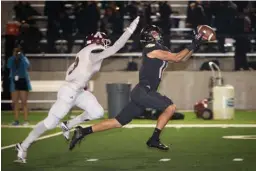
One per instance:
[(196, 42), (133, 25)]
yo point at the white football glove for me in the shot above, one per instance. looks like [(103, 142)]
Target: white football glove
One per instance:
[(133, 25)]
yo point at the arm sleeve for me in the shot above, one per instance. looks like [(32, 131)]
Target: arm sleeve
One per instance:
[(25, 61), (115, 48)]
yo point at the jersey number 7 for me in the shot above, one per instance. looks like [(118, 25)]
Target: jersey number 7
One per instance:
[(75, 65)]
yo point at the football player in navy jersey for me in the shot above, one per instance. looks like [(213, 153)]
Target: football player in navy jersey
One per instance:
[(155, 57)]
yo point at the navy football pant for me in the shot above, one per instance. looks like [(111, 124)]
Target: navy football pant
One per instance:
[(141, 98)]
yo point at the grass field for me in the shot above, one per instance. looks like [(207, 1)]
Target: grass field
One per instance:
[(199, 149)]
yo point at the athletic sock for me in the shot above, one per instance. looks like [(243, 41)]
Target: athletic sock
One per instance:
[(87, 130), (77, 120), (156, 134)]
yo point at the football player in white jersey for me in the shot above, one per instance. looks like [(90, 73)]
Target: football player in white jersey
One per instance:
[(71, 93)]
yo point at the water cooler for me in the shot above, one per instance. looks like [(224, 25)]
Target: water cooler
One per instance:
[(222, 96)]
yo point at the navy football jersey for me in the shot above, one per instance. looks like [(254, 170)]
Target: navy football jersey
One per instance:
[(152, 68)]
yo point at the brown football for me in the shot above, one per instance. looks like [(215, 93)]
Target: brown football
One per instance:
[(209, 33)]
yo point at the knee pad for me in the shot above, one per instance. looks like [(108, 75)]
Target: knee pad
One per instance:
[(51, 122), (97, 113)]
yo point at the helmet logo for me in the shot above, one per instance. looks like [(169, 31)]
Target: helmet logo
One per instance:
[(155, 35), (98, 34)]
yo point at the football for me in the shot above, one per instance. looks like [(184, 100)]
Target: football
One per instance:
[(209, 33)]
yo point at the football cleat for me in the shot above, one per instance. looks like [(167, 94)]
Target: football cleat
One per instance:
[(65, 130), (15, 123), (157, 144), (77, 137), (26, 123), (22, 154)]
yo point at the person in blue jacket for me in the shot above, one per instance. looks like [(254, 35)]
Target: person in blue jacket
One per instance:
[(18, 65)]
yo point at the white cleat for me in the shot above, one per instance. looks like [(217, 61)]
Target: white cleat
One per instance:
[(26, 123), (65, 130), (22, 154)]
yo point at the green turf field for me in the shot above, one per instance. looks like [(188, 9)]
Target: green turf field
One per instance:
[(199, 149)]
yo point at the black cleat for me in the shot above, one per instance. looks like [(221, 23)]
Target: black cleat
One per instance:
[(77, 137), (157, 144)]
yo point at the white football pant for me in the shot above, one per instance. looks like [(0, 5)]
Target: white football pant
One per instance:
[(66, 99)]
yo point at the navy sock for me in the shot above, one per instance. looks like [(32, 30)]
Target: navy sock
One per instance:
[(87, 130), (156, 134)]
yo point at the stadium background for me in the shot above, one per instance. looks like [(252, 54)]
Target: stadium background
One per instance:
[(183, 82)]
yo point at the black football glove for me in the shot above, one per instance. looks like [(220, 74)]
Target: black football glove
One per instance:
[(196, 42)]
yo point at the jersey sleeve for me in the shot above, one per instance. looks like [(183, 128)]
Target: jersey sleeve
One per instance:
[(25, 61), (115, 48), (151, 47), (155, 46)]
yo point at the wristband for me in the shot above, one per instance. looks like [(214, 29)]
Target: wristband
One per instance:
[(192, 46)]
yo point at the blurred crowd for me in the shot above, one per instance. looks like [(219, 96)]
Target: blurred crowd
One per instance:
[(235, 20), (70, 20), (231, 19)]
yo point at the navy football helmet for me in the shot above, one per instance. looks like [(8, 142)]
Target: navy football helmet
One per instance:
[(151, 34)]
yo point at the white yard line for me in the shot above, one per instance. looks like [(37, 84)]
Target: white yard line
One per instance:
[(92, 160), (238, 159), (241, 137), (168, 126), (42, 138)]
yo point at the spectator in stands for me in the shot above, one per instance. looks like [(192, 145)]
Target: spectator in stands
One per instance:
[(208, 12), (242, 29), (30, 37), (195, 14), (106, 25), (253, 15), (23, 11), (18, 65), (87, 17), (165, 23), (81, 18), (225, 12), (147, 13), (66, 29), (51, 10), (112, 22), (116, 19), (132, 10), (93, 17)]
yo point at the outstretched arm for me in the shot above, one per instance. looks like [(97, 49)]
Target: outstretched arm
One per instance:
[(169, 56), (181, 56), (120, 42)]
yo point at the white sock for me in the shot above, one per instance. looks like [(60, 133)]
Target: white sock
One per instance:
[(33, 135), (77, 120)]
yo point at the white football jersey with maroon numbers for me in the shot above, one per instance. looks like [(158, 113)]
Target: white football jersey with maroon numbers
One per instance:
[(87, 63), (80, 72)]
